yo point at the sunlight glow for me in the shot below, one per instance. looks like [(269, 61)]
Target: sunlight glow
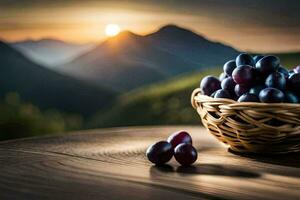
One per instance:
[(112, 30)]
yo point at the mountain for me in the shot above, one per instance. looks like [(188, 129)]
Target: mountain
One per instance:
[(50, 52), (128, 61), (190, 46), (45, 88)]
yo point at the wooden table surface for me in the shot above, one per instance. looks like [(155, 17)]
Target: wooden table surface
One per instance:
[(111, 164)]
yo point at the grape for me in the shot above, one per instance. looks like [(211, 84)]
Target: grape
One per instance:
[(290, 97), (276, 80), (297, 69), (249, 79), (294, 82), (222, 94), (185, 154), (209, 84), (222, 76), (213, 94), (179, 137), (160, 152), (228, 84), (291, 72), (258, 78), (256, 90), (240, 89), (229, 67), (284, 71), (267, 65), (244, 75), (271, 95), (244, 59), (248, 98), (257, 58)]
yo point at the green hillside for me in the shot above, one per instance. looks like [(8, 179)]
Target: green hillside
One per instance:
[(162, 103), (21, 119), (289, 59)]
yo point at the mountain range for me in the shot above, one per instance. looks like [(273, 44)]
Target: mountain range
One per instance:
[(46, 88), (128, 61), (50, 52), (90, 81)]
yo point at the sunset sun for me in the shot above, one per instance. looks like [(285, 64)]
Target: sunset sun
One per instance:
[(112, 30)]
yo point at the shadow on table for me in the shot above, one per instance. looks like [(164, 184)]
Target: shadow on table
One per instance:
[(170, 173), (205, 169), (289, 160)]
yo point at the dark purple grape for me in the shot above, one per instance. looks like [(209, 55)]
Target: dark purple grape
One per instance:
[(276, 80), (222, 94), (222, 76), (291, 97), (291, 72), (297, 69), (234, 97), (228, 84), (257, 58), (271, 95), (229, 67), (258, 78), (209, 84), (284, 71), (213, 94), (179, 137), (248, 98), (160, 152), (185, 154), (294, 82), (267, 65), (244, 75), (256, 90), (244, 59), (240, 90)]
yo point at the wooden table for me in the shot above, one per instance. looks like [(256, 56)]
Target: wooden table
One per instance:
[(111, 164)]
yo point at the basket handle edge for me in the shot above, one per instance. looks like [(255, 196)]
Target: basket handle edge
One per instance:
[(194, 94)]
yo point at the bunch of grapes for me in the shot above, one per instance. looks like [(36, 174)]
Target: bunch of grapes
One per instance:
[(254, 79), (178, 144)]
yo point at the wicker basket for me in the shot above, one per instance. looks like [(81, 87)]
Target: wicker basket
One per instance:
[(268, 128)]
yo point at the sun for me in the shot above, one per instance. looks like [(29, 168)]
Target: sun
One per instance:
[(112, 30)]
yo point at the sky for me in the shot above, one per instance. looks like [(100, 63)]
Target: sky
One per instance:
[(248, 25)]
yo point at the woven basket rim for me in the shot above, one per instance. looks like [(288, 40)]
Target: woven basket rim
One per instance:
[(198, 97)]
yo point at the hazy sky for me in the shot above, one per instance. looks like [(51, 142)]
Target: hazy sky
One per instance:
[(257, 25)]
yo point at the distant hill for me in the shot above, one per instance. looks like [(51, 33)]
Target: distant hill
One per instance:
[(289, 60), (164, 103), (45, 88), (50, 52), (128, 61)]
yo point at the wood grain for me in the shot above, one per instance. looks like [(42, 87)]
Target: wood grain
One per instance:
[(110, 164)]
